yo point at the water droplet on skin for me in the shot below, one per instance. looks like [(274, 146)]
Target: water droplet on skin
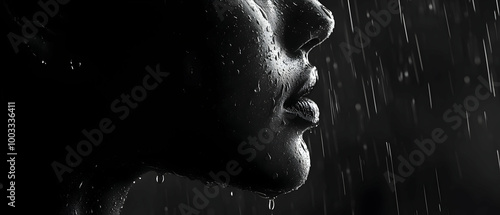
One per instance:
[(160, 178), (258, 87), (263, 14), (262, 195), (268, 157)]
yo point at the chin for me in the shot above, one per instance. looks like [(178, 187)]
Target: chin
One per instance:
[(279, 168)]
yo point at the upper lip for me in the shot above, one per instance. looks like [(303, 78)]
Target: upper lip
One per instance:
[(310, 77)]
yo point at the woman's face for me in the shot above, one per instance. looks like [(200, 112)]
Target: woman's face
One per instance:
[(256, 76), (235, 111)]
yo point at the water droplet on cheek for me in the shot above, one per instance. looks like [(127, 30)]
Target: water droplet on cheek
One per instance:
[(258, 87), (263, 13)]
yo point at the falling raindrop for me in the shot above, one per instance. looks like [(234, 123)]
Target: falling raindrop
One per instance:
[(271, 204), (498, 159), (358, 106), (160, 178)]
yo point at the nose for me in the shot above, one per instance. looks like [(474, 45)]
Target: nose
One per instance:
[(307, 23)]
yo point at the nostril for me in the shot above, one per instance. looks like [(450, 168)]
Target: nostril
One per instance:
[(307, 23), (307, 46)]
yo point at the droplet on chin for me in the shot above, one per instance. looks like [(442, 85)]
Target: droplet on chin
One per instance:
[(262, 195)]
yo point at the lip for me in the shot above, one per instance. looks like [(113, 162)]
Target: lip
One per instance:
[(297, 107)]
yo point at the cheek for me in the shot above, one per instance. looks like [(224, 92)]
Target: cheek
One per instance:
[(247, 61), (252, 71)]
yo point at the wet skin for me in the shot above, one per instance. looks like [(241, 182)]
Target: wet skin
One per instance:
[(263, 74), (239, 74)]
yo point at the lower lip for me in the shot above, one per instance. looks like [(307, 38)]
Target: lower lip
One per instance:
[(305, 109)]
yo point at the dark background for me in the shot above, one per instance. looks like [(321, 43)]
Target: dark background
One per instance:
[(372, 110)]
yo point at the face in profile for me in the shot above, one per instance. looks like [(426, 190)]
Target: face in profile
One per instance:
[(233, 108), (253, 71)]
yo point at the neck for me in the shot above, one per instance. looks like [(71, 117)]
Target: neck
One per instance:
[(100, 191)]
